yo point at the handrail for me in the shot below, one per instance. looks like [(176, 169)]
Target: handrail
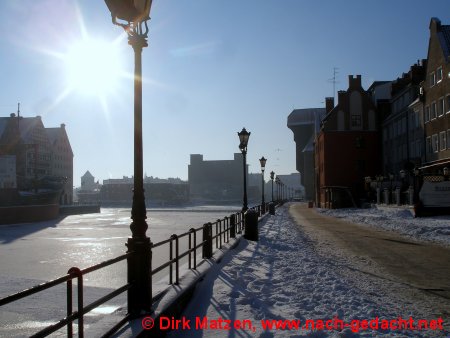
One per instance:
[(223, 233)]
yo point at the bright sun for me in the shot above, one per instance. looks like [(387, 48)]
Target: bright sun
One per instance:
[(93, 67)]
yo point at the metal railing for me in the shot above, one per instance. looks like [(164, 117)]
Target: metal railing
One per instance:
[(225, 229)]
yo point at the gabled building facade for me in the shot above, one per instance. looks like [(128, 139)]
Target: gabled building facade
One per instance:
[(402, 128), (347, 148), (62, 160), (436, 92), (40, 153)]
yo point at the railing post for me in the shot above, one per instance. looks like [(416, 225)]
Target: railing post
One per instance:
[(233, 226), (219, 222), (77, 272), (177, 260), (69, 306), (227, 229), (239, 228), (171, 258), (207, 240), (190, 249), (195, 247)]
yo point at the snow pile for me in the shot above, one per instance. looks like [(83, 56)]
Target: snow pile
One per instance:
[(433, 229), (282, 278)]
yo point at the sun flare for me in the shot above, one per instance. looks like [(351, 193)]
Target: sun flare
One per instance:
[(93, 67)]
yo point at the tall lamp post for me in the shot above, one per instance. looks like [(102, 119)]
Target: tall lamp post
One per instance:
[(243, 142), (263, 161), (132, 16)]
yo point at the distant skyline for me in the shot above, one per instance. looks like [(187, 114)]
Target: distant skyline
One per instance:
[(211, 68)]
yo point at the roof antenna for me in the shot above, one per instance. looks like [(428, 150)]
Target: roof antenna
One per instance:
[(18, 115), (334, 81)]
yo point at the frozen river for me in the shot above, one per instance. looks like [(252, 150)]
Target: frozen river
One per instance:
[(37, 252)]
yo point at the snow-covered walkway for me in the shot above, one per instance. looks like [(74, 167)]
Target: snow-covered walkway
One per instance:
[(283, 280)]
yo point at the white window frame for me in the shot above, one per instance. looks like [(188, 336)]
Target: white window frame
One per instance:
[(448, 138), (448, 104), (435, 143), (440, 107), (432, 79), (442, 141), (433, 112), (427, 114), (439, 74)]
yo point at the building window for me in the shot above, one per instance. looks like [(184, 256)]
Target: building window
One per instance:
[(442, 140), (448, 138), (356, 120), (427, 114), (440, 107), (432, 79), (448, 104), (435, 143), (429, 149), (439, 74), (433, 110)]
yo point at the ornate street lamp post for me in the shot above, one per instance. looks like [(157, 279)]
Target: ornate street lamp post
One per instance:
[(263, 161), (272, 175), (243, 142), (133, 16)]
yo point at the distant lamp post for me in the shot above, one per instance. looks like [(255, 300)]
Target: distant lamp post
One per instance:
[(263, 161), (132, 16), (243, 142), (272, 176), (277, 182)]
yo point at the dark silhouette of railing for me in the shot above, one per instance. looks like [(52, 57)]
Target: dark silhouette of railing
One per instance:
[(225, 229)]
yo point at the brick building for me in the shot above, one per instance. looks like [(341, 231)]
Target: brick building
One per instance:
[(436, 90), (42, 154), (347, 147)]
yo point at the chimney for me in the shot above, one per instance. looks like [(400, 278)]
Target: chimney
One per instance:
[(329, 104), (63, 126), (354, 82)]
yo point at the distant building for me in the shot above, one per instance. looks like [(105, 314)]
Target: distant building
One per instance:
[(436, 92), (8, 172), (347, 147), (402, 129), (305, 123), (220, 180), (41, 153), (62, 160), (89, 191), (158, 192)]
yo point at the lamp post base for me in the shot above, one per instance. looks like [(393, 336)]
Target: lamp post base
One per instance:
[(139, 275)]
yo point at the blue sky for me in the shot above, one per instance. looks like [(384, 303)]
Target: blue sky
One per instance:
[(211, 68)]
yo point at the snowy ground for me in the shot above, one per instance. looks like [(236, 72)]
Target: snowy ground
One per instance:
[(434, 229), (283, 277)]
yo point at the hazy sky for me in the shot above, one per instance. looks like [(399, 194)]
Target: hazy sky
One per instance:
[(211, 68)]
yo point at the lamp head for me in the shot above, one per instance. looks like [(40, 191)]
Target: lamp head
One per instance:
[(131, 11), (263, 161), (243, 139)]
